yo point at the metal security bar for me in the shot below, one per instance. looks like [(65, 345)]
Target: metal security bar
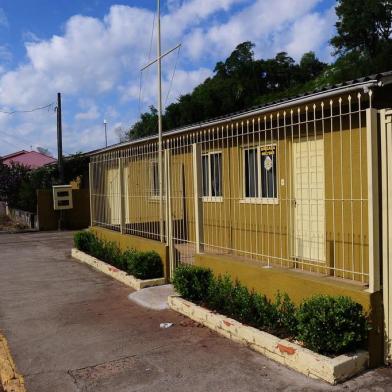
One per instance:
[(291, 188)]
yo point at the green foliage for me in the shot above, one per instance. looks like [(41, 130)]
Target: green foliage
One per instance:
[(362, 25), (83, 240), (331, 325), (237, 83), (11, 179), (142, 265), (325, 324), (192, 282), (286, 313)]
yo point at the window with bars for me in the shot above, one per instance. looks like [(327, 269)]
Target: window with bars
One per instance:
[(154, 179), (260, 173), (212, 176)]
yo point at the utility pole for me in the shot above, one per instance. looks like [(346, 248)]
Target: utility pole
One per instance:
[(105, 123), (60, 140), (158, 60)]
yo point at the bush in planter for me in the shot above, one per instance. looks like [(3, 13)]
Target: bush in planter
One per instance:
[(235, 300), (144, 265), (83, 240), (192, 282), (331, 325), (286, 314)]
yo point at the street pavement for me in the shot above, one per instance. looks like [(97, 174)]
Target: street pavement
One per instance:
[(73, 329)]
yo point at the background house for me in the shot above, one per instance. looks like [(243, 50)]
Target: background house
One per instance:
[(31, 159)]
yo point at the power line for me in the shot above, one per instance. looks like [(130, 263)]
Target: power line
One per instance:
[(173, 74), (28, 110), (148, 59)]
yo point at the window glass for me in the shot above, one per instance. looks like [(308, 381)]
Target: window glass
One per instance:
[(251, 173), (216, 174), (154, 179), (268, 170), (206, 177)]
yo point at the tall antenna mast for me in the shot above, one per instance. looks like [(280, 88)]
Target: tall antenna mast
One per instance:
[(158, 60), (160, 171)]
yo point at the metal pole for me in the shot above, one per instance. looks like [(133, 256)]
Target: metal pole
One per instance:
[(106, 135), (59, 140), (159, 61)]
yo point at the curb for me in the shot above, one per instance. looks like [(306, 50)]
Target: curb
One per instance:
[(115, 273), (331, 370), (10, 379)]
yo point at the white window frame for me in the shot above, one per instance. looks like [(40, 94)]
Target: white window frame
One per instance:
[(259, 199), (152, 196), (210, 198)]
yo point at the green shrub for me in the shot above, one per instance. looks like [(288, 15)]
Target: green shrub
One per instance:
[(220, 294), (263, 314), (192, 282), (144, 265), (286, 314), (83, 240), (234, 300), (331, 325)]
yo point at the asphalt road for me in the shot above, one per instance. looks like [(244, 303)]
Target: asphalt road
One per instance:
[(71, 329)]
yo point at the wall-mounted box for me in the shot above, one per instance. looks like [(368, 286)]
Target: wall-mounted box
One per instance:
[(62, 197)]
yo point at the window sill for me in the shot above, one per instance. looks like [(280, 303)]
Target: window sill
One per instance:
[(156, 198), (259, 200), (212, 199)]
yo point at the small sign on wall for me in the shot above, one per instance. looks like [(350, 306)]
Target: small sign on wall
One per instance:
[(62, 197)]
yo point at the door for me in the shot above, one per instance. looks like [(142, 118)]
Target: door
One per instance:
[(309, 200)]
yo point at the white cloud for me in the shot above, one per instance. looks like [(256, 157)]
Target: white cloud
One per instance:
[(91, 114), (3, 19), (99, 60), (5, 54)]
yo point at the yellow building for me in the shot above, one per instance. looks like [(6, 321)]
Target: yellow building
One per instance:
[(284, 197)]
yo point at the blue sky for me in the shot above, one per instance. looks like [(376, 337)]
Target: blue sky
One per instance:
[(92, 50)]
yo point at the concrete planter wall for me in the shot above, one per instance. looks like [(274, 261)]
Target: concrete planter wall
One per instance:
[(115, 273), (331, 370)]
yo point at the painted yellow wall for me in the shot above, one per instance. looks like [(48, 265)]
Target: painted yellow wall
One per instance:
[(265, 231), (125, 242)]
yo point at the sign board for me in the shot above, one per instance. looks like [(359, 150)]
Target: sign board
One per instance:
[(62, 197)]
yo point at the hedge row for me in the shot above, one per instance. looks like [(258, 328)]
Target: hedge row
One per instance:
[(325, 324), (142, 265)]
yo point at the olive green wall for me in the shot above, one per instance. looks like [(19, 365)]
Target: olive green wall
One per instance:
[(125, 241), (74, 219), (301, 285)]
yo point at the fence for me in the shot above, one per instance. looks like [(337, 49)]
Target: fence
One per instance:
[(293, 188)]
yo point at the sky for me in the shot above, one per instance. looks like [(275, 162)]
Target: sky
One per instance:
[(92, 51)]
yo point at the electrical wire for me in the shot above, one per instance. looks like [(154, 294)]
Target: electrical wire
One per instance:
[(141, 72), (173, 74), (28, 110)]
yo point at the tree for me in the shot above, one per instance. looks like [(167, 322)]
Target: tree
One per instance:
[(363, 26), (363, 41), (11, 178), (147, 125), (240, 81)]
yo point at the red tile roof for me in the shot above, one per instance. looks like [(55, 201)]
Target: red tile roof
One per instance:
[(32, 159)]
